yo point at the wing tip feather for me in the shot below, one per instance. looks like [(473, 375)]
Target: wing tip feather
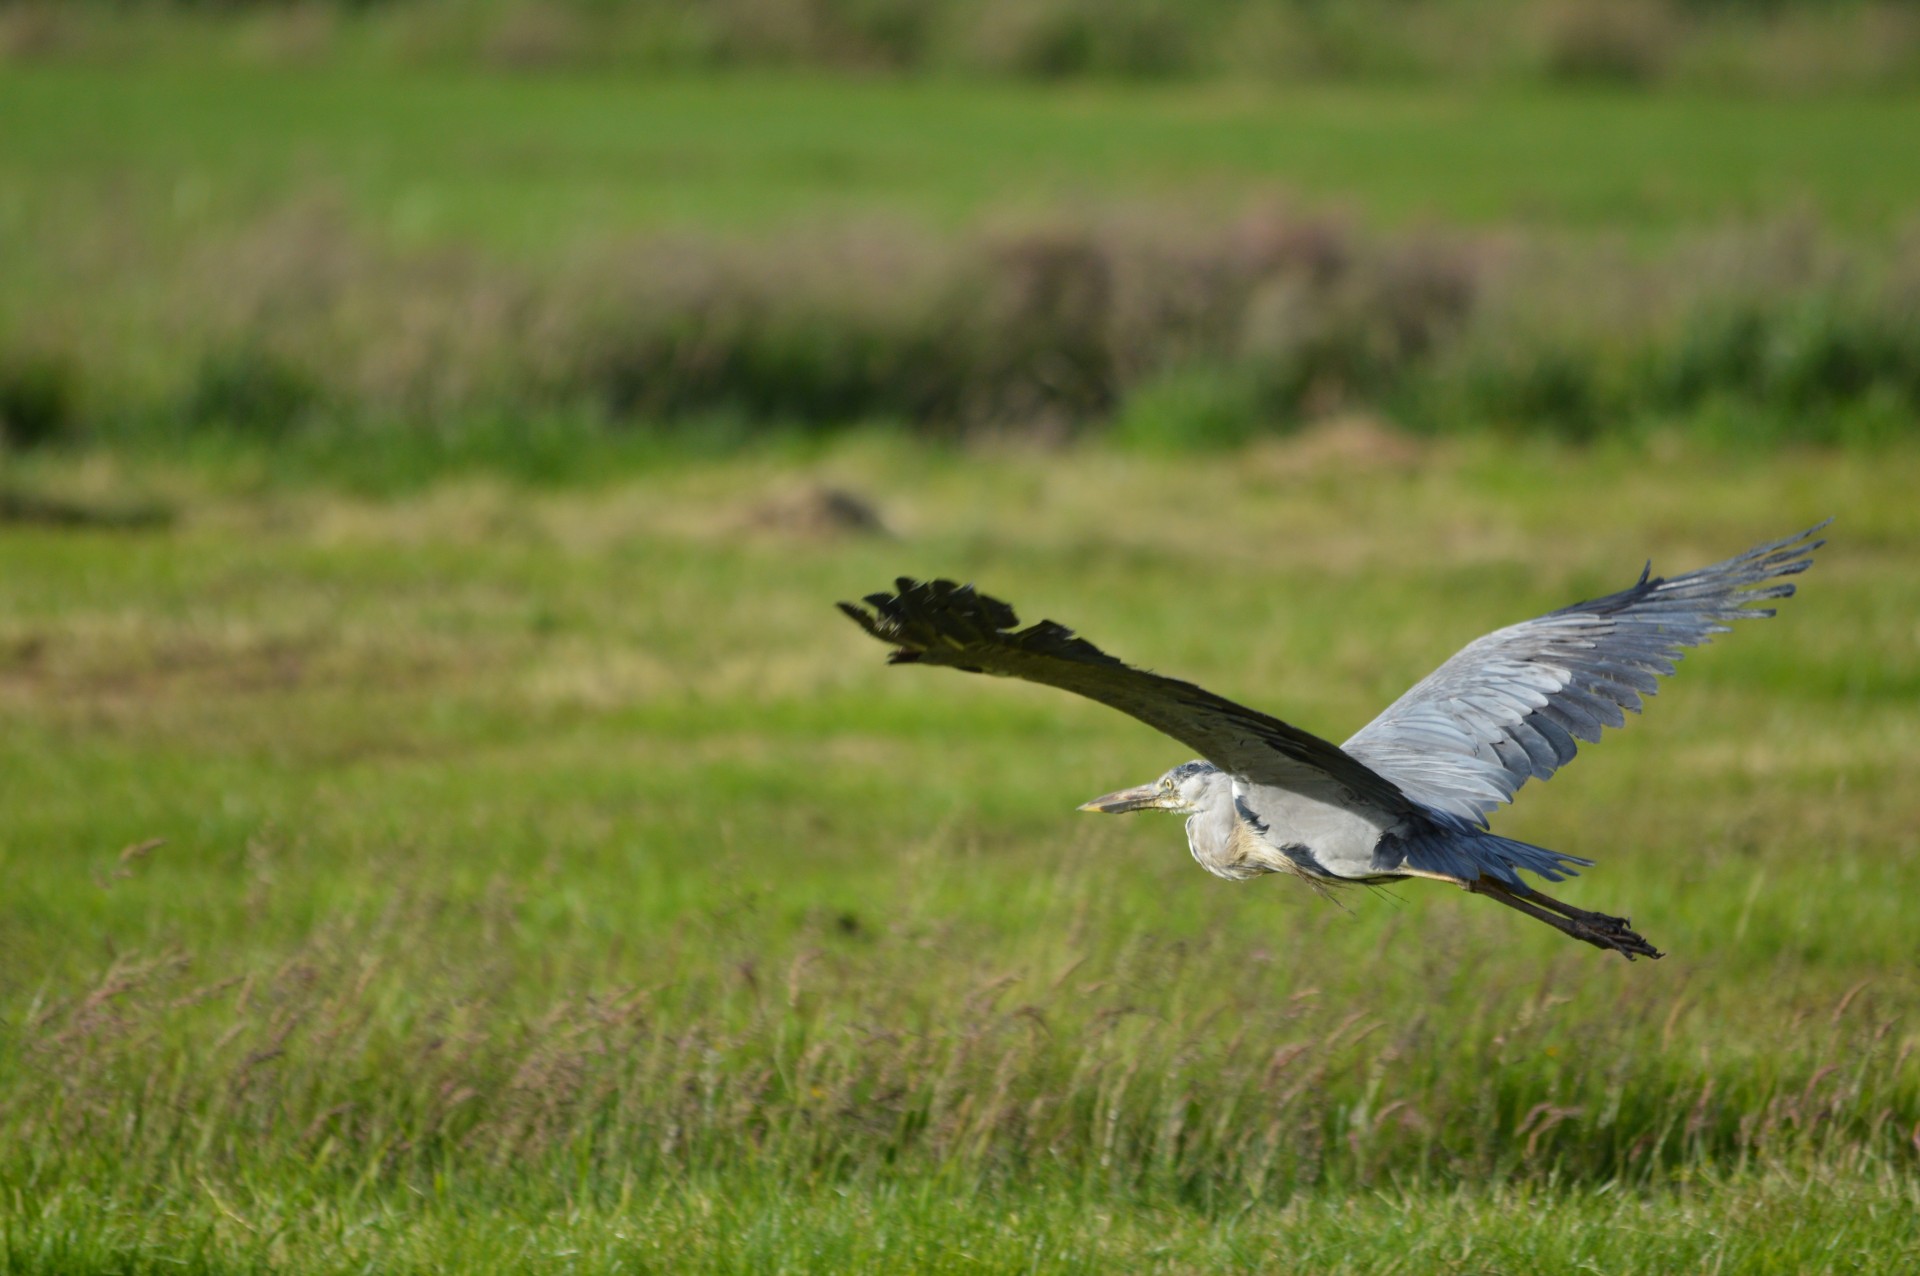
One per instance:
[(940, 621)]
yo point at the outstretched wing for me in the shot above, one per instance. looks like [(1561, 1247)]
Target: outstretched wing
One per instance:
[(1510, 706), (941, 623)]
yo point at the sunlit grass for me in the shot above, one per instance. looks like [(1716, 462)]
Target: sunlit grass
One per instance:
[(556, 871)]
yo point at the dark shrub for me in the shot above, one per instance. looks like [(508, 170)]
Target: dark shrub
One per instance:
[(37, 402), (1612, 41), (1042, 330)]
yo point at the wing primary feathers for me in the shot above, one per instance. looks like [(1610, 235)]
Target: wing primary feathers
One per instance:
[(939, 622), (1564, 675)]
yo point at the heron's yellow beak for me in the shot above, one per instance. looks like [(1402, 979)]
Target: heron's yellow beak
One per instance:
[(1144, 798)]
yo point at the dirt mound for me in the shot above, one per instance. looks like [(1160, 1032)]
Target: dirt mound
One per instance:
[(817, 510)]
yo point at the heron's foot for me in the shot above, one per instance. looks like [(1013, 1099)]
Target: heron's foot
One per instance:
[(1602, 930), (1616, 933)]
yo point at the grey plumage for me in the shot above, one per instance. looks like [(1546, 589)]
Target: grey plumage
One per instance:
[(1409, 794), (1510, 707)]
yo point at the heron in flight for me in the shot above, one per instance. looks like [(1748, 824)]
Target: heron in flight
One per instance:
[(1409, 795)]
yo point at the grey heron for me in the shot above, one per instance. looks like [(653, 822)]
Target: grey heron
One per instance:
[(1409, 795)]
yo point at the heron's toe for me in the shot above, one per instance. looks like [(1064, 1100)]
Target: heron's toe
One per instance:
[(1618, 934)]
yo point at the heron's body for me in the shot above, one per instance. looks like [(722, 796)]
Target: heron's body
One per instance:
[(1240, 830), (1409, 794)]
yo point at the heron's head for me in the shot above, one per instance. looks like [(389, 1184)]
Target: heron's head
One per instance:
[(1179, 790)]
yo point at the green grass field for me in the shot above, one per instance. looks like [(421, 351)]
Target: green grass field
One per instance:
[(533, 165), (552, 880), (555, 882)]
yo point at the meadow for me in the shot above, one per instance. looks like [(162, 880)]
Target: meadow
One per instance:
[(559, 876), (445, 825)]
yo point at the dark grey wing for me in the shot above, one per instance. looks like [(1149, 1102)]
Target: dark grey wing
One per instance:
[(941, 623), (1510, 706)]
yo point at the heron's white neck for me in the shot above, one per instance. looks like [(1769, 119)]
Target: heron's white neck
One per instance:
[(1211, 831)]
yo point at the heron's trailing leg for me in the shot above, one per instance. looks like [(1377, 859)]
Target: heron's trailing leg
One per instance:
[(1545, 900), (1598, 929)]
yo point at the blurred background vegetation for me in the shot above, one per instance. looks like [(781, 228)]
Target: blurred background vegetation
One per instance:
[(1758, 45), (414, 226)]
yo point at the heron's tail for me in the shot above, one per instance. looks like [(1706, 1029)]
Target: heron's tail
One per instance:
[(1443, 845)]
